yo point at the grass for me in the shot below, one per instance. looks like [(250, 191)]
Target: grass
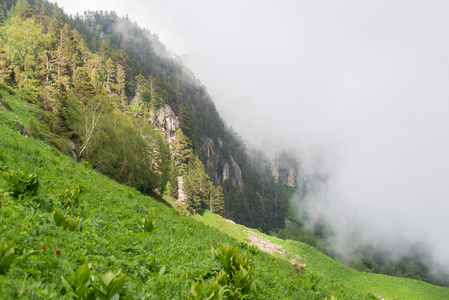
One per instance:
[(381, 285), (159, 264)]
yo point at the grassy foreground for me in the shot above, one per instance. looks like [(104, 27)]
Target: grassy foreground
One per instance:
[(161, 262), (382, 286)]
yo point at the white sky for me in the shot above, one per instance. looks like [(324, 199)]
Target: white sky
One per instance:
[(362, 85)]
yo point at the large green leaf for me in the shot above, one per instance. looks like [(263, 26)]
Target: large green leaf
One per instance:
[(82, 275), (116, 285)]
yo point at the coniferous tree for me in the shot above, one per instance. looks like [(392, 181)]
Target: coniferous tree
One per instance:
[(216, 200)]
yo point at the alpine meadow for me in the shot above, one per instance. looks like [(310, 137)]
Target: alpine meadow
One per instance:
[(120, 180)]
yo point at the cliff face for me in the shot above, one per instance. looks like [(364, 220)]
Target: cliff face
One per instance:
[(168, 121), (283, 170), (231, 170), (221, 168), (281, 167)]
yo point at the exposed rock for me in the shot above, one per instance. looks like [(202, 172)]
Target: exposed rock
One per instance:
[(231, 170), (72, 148), (137, 98), (226, 172), (24, 132), (213, 163), (235, 174), (221, 169), (168, 121), (264, 244), (181, 195), (283, 170)]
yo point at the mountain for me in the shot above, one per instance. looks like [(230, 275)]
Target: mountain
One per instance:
[(107, 90), (68, 232), (109, 95)]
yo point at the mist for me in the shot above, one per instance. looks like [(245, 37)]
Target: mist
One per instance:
[(358, 89)]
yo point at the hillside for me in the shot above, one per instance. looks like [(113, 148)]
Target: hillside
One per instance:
[(159, 264), (162, 262), (110, 93)]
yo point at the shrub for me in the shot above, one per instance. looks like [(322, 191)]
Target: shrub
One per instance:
[(71, 197), (234, 278), (7, 88), (6, 105), (148, 224), (30, 99), (82, 284), (67, 222), (22, 182)]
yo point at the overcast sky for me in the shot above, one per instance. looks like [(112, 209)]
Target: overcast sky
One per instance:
[(359, 88)]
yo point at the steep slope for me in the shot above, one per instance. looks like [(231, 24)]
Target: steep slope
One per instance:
[(382, 286), (160, 262), (100, 81)]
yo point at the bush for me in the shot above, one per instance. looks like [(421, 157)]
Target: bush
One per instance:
[(71, 197), (30, 99), (234, 278), (22, 182), (83, 285), (7, 88), (67, 222), (6, 105), (147, 224)]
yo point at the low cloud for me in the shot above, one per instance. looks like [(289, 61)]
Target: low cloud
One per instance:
[(358, 89)]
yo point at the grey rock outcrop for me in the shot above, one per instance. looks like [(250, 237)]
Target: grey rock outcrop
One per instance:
[(220, 168), (283, 170), (233, 173), (168, 121)]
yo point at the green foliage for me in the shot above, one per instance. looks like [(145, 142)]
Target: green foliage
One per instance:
[(66, 221), (148, 224), (109, 285), (161, 265), (71, 197), (79, 283), (7, 88), (234, 279), (69, 70), (83, 285), (21, 182), (7, 255), (237, 267), (6, 105), (214, 290)]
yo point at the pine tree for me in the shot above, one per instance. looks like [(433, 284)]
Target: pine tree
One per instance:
[(217, 204), (182, 153), (83, 86), (110, 74)]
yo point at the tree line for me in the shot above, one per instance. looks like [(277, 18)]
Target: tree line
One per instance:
[(99, 80)]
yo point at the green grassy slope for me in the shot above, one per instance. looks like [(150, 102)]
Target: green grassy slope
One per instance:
[(380, 285), (161, 264)]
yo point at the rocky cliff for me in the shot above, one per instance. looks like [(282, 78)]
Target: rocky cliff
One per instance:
[(283, 169), (221, 168), (168, 121)]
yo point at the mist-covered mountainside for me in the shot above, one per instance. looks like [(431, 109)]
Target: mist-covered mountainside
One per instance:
[(68, 232), (112, 99), (111, 94)]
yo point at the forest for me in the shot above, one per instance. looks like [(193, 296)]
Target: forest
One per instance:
[(100, 81)]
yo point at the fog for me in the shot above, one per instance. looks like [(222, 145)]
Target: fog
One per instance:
[(358, 89)]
